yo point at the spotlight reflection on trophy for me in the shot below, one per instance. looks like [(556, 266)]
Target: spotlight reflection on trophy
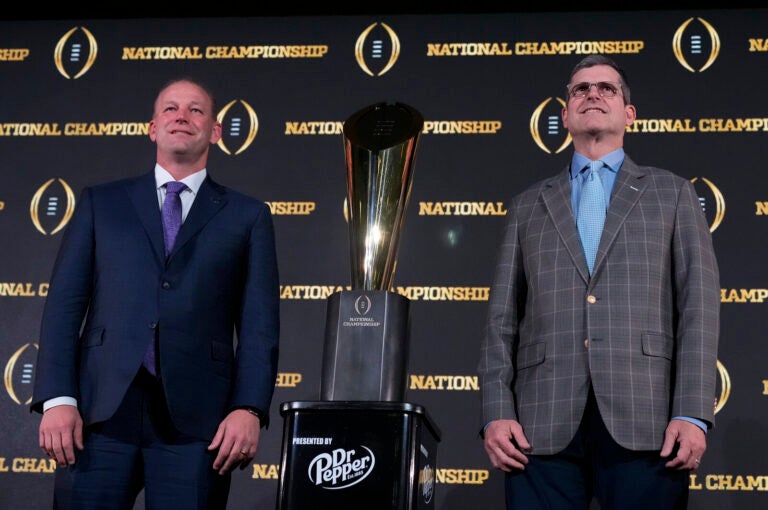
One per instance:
[(365, 354)]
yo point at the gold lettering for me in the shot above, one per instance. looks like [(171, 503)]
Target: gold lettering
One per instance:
[(713, 482), (309, 291), (106, 129), (462, 476), (661, 126), (16, 289), (33, 465), (3, 467), (762, 208), (288, 380), (162, 53), (743, 295), (314, 128), (757, 483), (291, 208), (692, 483), (413, 293), (577, 47), (454, 127), (462, 208), (759, 44), (30, 129), (13, 54), (445, 293), (266, 471), (468, 49), (733, 125), (253, 52), (445, 382), (722, 482)]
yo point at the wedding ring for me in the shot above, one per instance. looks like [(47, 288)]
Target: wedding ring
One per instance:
[(697, 461), (245, 452)]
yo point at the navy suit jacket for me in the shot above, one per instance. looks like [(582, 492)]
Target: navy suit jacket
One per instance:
[(213, 304)]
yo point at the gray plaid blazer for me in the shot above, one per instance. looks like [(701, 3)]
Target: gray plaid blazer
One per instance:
[(650, 313)]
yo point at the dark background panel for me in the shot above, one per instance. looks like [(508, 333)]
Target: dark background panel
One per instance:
[(436, 251)]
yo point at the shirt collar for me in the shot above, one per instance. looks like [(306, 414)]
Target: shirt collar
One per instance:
[(193, 181), (612, 160)]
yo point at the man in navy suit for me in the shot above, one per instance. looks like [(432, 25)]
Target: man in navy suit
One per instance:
[(599, 361), (157, 362)]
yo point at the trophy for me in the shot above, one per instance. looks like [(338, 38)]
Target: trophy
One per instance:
[(365, 354)]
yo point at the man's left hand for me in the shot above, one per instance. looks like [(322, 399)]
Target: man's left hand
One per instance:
[(691, 441), (236, 439)]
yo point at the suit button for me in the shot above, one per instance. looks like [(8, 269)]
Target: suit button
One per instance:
[(586, 343), (591, 300), (152, 325), (166, 285)]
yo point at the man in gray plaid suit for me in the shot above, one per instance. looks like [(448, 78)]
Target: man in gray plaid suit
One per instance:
[(598, 371)]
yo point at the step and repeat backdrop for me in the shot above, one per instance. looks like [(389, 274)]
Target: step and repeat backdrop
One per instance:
[(75, 100)]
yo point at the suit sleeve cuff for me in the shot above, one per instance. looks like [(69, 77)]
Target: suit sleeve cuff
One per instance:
[(702, 425), (59, 401), (261, 415)]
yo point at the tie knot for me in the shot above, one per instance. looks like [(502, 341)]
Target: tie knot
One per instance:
[(590, 171), (175, 187), (594, 166)]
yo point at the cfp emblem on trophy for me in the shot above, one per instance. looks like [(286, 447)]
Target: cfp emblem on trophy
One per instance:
[(365, 353)]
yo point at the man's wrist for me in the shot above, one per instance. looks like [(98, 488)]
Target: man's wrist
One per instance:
[(59, 401), (256, 412), (700, 423)]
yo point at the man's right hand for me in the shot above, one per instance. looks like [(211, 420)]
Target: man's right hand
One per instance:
[(505, 443), (61, 431)]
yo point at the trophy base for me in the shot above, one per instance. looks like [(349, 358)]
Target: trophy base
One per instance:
[(365, 354)]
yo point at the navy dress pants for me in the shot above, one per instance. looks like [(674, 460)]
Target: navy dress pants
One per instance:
[(139, 448), (595, 468)]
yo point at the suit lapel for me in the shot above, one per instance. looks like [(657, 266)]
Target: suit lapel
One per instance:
[(143, 194), (556, 194), (209, 200), (627, 190)]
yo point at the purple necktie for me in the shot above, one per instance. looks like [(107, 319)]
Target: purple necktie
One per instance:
[(171, 224), (172, 213)]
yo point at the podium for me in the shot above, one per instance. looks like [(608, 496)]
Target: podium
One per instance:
[(339, 455)]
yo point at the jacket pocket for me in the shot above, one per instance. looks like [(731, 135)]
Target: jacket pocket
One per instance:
[(657, 344), (530, 355), (92, 338), (221, 351)]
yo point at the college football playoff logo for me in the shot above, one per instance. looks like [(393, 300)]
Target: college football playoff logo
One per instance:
[(239, 125), (714, 214), (690, 45), (75, 53), (52, 206), (373, 46), (546, 117)]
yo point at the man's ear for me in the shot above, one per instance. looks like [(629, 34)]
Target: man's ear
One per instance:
[(152, 130), (216, 133), (631, 113)]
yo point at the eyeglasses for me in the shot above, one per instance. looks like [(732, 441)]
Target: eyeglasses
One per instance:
[(604, 88)]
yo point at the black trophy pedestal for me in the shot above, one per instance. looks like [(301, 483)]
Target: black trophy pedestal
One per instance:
[(353, 455), (365, 355)]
